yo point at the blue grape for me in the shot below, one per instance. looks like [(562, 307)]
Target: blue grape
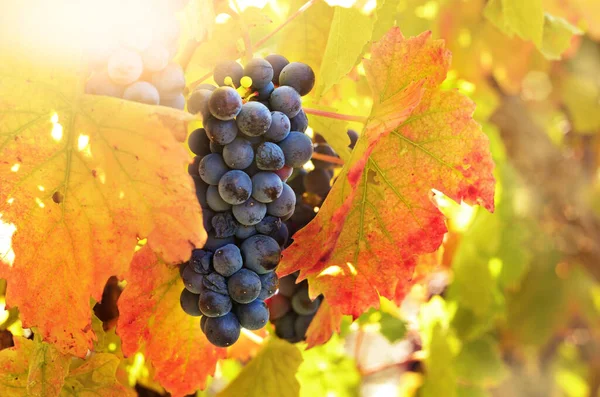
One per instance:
[(249, 213), (284, 173), (288, 286), (269, 283), (212, 168), (286, 100), (219, 131), (297, 149), (302, 304), (228, 69), (170, 80), (222, 331), (278, 62), (216, 148), (244, 286), (297, 181), (264, 93), (198, 103), (261, 253), (269, 157), (142, 92), (243, 232), (252, 169), (192, 281), (213, 304), (225, 103), (155, 57), (203, 322), (253, 315), (281, 235), (301, 325), (200, 261), (260, 71), (268, 225), (199, 143), (200, 185), (254, 119), (224, 224), (353, 135), (266, 186), (285, 326), (279, 129), (299, 122), (238, 154), (284, 203), (175, 101), (213, 243), (326, 150), (227, 260), (189, 303), (215, 282), (207, 215), (215, 201), (101, 84), (125, 67), (318, 181), (298, 75), (279, 305), (235, 187)]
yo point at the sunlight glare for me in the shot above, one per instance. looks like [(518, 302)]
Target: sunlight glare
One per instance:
[(7, 230), (82, 142), (15, 167), (222, 18), (331, 271)]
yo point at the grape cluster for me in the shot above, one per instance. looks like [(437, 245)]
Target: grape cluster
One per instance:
[(251, 141), (291, 309), (141, 69)]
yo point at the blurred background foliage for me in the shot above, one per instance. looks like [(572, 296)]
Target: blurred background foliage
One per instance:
[(513, 306)]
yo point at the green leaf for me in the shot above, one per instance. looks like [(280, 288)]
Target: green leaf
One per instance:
[(272, 373), (581, 95), (523, 18), (441, 378), (327, 370), (479, 362), (393, 328), (557, 36), (386, 13), (350, 31), (471, 391), (334, 131), (95, 377)]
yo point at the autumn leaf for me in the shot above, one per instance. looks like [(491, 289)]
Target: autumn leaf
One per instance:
[(83, 177), (95, 377), (152, 321), (272, 373), (32, 368), (327, 321), (379, 216)]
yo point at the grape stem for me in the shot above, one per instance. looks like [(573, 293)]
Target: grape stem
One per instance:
[(334, 115), (329, 159), (252, 336), (305, 7)]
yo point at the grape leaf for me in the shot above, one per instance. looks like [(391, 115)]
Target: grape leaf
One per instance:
[(152, 321), (327, 321), (83, 177), (349, 32), (379, 217), (34, 368), (441, 376), (95, 377), (480, 362), (272, 373), (551, 35)]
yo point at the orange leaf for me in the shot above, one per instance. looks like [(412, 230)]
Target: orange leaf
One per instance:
[(379, 216), (152, 321), (83, 178), (327, 321)]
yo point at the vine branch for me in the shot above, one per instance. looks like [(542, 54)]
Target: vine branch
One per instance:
[(334, 115)]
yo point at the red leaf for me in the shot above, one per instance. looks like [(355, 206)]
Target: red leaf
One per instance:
[(152, 321), (379, 216), (327, 321)]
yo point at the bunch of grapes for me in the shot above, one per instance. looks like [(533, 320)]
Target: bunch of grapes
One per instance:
[(141, 69), (253, 139), (291, 310)]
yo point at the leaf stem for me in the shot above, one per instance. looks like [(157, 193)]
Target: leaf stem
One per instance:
[(334, 115), (329, 159), (305, 7)]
